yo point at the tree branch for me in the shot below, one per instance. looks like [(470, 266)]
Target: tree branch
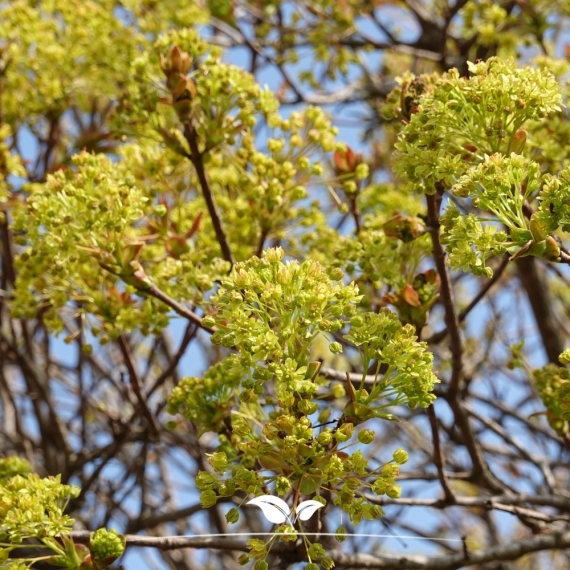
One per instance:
[(451, 320), (136, 384), (439, 336), (196, 158), (438, 456)]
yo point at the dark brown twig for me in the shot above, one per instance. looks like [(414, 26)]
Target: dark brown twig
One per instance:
[(198, 162), (438, 456), (439, 336), (451, 320), (137, 386)]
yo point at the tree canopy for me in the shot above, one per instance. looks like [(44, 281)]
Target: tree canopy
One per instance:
[(310, 257)]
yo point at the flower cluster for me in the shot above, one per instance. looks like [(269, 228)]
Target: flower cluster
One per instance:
[(443, 138), (409, 377), (263, 401), (553, 385), (105, 547), (208, 401), (33, 508)]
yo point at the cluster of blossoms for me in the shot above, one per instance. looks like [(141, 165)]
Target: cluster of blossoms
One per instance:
[(484, 162), (33, 508), (263, 402)]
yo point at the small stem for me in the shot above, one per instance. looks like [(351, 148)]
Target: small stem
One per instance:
[(198, 162)]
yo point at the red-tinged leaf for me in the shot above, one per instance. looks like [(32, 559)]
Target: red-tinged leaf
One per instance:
[(344, 161), (195, 226), (410, 296)]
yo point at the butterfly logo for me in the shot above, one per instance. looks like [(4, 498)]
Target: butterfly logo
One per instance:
[(277, 511)]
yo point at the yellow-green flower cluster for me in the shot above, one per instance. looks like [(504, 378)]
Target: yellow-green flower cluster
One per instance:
[(553, 385), (459, 120), (469, 242), (106, 546), (12, 466), (74, 226), (208, 401), (31, 507), (83, 54), (271, 312)]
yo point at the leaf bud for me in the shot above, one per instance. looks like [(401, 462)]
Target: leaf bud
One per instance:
[(519, 141), (178, 61), (311, 566), (261, 565), (243, 559), (344, 161)]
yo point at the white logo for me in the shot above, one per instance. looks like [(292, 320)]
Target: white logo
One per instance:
[(277, 511)]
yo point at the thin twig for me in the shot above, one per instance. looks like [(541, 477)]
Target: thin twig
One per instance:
[(439, 336), (137, 386), (183, 311), (438, 456), (451, 320), (198, 162)]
